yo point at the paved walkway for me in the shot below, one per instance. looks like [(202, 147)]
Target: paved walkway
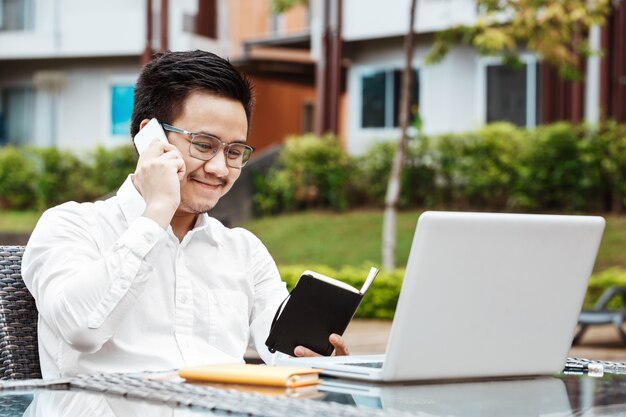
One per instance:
[(599, 342), (370, 337)]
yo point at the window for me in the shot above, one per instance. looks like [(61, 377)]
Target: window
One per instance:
[(17, 111), (16, 15), (308, 116), (380, 94), (121, 108), (511, 94)]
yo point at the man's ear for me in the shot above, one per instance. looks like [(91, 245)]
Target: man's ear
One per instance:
[(143, 123)]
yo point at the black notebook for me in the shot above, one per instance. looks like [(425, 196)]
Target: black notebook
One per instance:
[(316, 307)]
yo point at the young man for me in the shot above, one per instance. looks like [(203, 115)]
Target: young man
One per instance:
[(146, 280)]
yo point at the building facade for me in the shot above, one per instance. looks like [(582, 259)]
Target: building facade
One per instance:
[(68, 67)]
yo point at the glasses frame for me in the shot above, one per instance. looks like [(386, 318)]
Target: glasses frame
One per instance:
[(225, 146)]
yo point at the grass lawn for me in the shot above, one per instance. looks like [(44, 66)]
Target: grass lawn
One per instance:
[(354, 238), (331, 239), (18, 221), (338, 239)]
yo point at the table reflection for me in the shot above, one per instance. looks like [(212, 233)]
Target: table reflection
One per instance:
[(85, 404), (528, 397), (544, 396)]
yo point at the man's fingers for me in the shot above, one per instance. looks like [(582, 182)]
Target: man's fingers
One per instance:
[(337, 341), (340, 345), (301, 351)]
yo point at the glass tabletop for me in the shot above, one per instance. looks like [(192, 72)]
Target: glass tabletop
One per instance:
[(561, 395)]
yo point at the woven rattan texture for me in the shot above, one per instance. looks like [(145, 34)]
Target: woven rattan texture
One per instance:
[(19, 356)]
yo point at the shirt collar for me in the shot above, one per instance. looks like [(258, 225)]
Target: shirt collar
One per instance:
[(133, 206), (210, 226)]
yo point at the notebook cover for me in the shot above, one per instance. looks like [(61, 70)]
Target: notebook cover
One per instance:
[(314, 310), (276, 376)]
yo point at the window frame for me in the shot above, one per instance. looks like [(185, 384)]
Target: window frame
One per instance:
[(30, 100), (390, 100), (107, 116), (28, 13), (532, 102)]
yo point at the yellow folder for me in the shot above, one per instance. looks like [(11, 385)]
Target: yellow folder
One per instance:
[(276, 376)]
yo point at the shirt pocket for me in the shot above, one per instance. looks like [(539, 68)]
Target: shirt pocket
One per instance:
[(229, 327)]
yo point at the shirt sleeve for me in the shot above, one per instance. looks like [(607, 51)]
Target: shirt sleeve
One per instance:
[(269, 293), (84, 291)]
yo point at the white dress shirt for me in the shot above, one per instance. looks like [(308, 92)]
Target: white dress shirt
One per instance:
[(117, 293)]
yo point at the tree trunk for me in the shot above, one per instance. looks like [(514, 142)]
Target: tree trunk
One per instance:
[(393, 187)]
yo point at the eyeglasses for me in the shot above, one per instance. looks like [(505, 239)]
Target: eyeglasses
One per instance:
[(204, 147)]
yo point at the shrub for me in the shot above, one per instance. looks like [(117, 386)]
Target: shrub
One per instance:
[(37, 178), (112, 166), (62, 176), (17, 179), (554, 169), (371, 174), (311, 172), (490, 165), (607, 154)]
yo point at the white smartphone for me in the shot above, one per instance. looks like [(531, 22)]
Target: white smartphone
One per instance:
[(151, 131)]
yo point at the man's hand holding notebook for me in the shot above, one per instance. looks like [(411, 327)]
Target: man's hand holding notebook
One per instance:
[(317, 307)]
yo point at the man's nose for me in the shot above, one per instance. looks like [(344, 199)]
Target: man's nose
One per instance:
[(217, 165)]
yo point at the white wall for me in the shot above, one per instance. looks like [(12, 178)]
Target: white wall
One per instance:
[(67, 28), (74, 111), (450, 93), (369, 19), (448, 90), (85, 107)]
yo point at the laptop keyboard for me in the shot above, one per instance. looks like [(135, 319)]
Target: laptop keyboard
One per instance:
[(378, 365)]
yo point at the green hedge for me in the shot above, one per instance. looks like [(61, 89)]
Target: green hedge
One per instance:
[(501, 167), (557, 167), (37, 178), (310, 172), (380, 301)]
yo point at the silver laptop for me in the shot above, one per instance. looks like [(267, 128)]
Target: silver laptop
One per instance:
[(484, 295)]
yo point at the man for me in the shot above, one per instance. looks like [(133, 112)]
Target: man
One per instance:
[(146, 280)]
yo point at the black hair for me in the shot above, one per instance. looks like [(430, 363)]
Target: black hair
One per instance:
[(167, 80)]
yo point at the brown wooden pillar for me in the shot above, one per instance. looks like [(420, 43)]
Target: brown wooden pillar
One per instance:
[(613, 66), (561, 100), (164, 35), (206, 18), (328, 71), (148, 50)]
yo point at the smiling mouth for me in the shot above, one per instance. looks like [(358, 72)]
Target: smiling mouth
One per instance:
[(207, 184)]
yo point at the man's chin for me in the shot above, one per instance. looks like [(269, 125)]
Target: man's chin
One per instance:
[(196, 208)]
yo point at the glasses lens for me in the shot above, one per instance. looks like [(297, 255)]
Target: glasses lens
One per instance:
[(204, 147), (237, 155)]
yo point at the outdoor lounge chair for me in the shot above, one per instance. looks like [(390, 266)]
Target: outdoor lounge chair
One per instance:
[(601, 315), (19, 355)]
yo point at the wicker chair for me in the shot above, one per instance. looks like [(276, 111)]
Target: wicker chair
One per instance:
[(19, 356)]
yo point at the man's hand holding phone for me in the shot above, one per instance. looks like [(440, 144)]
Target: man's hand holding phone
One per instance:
[(159, 171)]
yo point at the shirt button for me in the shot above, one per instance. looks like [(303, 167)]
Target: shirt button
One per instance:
[(184, 299)]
